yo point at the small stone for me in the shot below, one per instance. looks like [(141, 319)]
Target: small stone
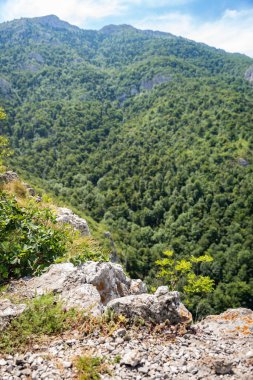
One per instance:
[(67, 364), (131, 358), (249, 355), (192, 369), (26, 372), (39, 360), (143, 369), (3, 362), (173, 369), (71, 342), (119, 333), (222, 368), (44, 375), (108, 347), (119, 341), (10, 368), (19, 360)]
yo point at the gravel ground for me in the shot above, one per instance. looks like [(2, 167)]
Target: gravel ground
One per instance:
[(220, 347)]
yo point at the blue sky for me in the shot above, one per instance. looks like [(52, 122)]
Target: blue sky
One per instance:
[(226, 24)]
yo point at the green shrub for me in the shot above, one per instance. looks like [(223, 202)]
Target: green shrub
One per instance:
[(29, 239), (180, 275), (44, 316), (90, 368)]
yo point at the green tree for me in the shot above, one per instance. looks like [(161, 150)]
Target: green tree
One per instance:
[(179, 274)]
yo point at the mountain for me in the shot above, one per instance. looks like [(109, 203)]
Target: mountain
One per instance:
[(145, 131)]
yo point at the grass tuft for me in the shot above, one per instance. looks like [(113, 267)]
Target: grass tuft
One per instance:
[(44, 316), (90, 368)]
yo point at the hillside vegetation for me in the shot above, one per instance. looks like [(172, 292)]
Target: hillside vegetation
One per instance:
[(148, 133)]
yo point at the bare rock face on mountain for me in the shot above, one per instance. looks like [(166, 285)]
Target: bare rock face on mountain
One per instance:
[(65, 215), (5, 88), (159, 307), (8, 311), (249, 74)]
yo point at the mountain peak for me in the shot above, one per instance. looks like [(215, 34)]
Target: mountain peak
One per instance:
[(54, 22), (51, 21)]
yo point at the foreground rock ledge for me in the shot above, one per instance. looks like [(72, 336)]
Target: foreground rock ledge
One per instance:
[(99, 286)]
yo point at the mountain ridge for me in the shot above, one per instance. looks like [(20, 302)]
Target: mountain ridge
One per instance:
[(55, 22)]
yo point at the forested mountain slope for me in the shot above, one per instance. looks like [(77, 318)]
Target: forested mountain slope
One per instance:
[(148, 132)]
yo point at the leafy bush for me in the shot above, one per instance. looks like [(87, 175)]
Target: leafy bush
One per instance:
[(29, 239)]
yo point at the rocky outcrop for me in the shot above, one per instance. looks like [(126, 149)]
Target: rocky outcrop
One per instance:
[(249, 74), (8, 177), (96, 286), (65, 215), (156, 80), (90, 286), (233, 322), (8, 311), (159, 307)]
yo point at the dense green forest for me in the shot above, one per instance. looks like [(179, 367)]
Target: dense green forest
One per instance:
[(144, 131)]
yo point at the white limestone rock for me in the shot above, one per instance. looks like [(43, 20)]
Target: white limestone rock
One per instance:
[(66, 216), (8, 311), (159, 307)]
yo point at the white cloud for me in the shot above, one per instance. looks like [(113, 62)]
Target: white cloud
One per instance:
[(232, 32), (175, 23), (74, 11), (78, 11)]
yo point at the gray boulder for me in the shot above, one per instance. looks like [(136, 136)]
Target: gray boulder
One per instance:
[(159, 307), (66, 216), (233, 322), (53, 280), (8, 311), (89, 286), (110, 280), (131, 358), (85, 297)]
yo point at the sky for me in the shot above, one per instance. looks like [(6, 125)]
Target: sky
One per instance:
[(225, 24)]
